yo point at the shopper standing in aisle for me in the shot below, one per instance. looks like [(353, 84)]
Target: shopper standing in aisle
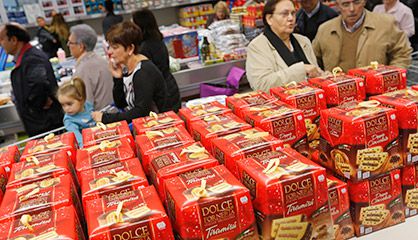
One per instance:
[(358, 37), (278, 56), (138, 85), (60, 27), (402, 13), (47, 40), (221, 13), (311, 15), (33, 82), (153, 48), (111, 18), (90, 67)]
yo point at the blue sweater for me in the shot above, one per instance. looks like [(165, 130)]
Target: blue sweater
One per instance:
[(76, 123)]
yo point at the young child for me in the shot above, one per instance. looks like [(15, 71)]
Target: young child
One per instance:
[(72, 96)]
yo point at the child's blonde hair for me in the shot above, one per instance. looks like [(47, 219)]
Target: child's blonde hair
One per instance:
[(75, 89)]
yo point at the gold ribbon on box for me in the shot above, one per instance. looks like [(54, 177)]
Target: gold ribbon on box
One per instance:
[(100, 125), (272, 166), (33, 159), (336, 71), (49, 137), (200, 191), (243, 95), (211, 118), (25, 220), (252, 135), (121, 175), (374, 65), (103, 145), (153, 115), (193, 149), (369, 104), (291, 84)]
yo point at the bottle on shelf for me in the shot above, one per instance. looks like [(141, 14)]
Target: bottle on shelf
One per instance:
[(204, 50)]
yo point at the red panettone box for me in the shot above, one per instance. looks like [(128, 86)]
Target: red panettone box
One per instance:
[(61, 223), (197, 112), (33, 168), (283, 122), (161, 140), (95, 135), (211, 127), (112, 179), (3, 182), (415, 87), (8, 156), (179, 161), (339, 202), (239, 102), (360, 140), (380, 78), (290, 195), (405, 102), (376, 203), (210, 204), (50, 193), (52, 143), (105, 153), (409, 176), (135, 214), (341, 88), (252, 142), (156, 122), (308, 99)]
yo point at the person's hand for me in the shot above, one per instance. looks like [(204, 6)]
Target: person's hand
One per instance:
[(115, 69), (312, 71), (97, 116)]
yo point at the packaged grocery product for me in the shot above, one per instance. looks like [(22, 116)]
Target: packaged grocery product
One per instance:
[(156, 122), (211, 127), (409, 176), (340, 88), (102, 154), (61, 223), (111, 179), (8, 156), (360, 140), (52, 143), (290, 195), (95, 135), (3, 182), (405, 102), (241, 101), (380, 78), (248, 143), (308, 99), (283, 122), (200, 111), (376, 203), (178, 161), (161, 140), (339, 202), (210, 204), (135, 214)]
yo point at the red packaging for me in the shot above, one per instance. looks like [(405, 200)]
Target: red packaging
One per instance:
[(156, 122), (210, 204), (3, 182), (177, 162), (52, 143), (95, 135), (35, 168), (252, 142), (405, 102), (105, 153), (8, 156), (376, 203), (239, 102), (410, 189), (50, 193), (339, 202), (288, 188), (308, 99), (360, 140), (197, 112), (415, 87), (158, 141), (141, 216), (380, 78), (112, 179), (211, 127), (341, 88), (283, 122), (61, 223)]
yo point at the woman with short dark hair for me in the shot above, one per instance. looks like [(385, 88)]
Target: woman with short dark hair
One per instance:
[(139, 86)]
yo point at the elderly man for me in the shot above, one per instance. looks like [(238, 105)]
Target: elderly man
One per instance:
[(90, 67), (33, 82), (357, 37)]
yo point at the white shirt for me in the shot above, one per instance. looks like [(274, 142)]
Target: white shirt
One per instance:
[(403, 15)]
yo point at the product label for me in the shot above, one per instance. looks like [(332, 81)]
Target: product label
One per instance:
[(299, 195), (165, 160), (284, 128), (194, 178), (308, 104), (250, 183), (376, 130), (102, 134), (334, 202), (100, 157), (126, 194), (335, 127), (380, 189), (391, 81), (167, 141), (347, 92), (139, 231), (255, 100), (38, 219)]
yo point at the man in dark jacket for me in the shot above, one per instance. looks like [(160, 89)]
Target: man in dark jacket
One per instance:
[(49, 43), (33, 82), (312, 14), (111, 18)]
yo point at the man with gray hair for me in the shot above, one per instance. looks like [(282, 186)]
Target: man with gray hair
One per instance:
[(90, 67)]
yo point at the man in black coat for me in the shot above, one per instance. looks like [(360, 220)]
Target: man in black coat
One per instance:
[(33, 82), (311, 15)]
